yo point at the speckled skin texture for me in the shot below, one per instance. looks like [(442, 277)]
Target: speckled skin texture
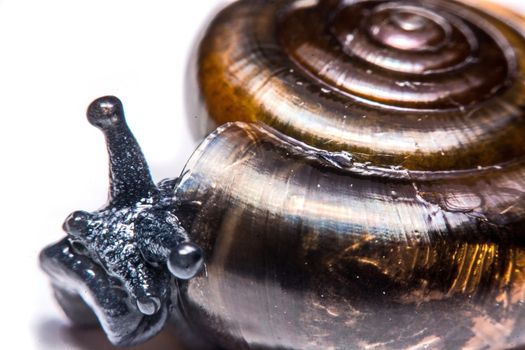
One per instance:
[(118, 259)]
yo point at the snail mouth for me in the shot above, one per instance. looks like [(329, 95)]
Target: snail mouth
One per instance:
[(78, 279)]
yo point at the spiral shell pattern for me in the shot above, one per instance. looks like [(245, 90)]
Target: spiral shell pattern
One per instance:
[(401, 165), (426, 85)]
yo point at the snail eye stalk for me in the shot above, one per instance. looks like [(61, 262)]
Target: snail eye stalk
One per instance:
[(185, 260), (131, 183), (130, 179), (117, 260), (76, 224)]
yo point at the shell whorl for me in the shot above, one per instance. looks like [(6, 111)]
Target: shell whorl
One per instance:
[(427, 96), (427, 85)]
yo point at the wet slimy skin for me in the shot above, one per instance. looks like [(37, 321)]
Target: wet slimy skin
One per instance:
[(118, 259)]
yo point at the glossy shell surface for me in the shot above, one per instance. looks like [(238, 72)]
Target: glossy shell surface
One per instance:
[(450, 98), (390, 215), (306, 250)]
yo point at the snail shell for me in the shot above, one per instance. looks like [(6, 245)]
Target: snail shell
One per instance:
[(429, 85), (386, 212)]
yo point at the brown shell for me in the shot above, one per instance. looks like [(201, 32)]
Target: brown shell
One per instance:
[(306, 251), (387, 210), (314, 72)]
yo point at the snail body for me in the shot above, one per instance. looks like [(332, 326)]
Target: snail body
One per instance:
[(371, 195)]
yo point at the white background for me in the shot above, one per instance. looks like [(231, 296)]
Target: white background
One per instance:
[(55, 57)]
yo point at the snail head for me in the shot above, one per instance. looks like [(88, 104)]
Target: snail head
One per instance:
[(120, 260)]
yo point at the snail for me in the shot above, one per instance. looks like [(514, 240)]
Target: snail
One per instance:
[(366, 190)]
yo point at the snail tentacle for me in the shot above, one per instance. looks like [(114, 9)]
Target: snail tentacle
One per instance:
[(130, 178), (116, 259)]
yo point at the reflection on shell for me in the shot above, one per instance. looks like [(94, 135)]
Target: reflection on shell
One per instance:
[(328, 257), (291, 66), (390, 214)]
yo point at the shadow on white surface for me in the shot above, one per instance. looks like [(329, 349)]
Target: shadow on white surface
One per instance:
[(54, 334)]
